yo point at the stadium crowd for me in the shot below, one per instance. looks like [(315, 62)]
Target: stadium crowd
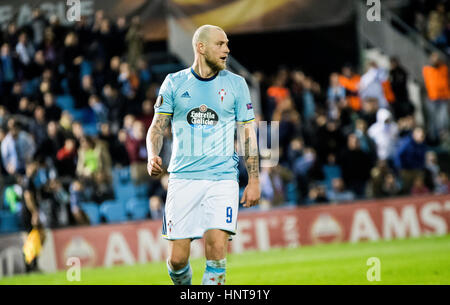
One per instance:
[(432, 20), (356, 139)]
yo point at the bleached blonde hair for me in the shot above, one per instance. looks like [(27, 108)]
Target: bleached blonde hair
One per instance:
[(202, 34)]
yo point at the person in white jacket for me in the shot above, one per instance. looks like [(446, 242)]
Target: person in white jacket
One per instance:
[(384, 133), (371, 84)]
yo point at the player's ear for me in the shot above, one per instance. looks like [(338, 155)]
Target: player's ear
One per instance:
[(201, 47)]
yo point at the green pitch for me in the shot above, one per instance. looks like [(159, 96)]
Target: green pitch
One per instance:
[(411, 261)]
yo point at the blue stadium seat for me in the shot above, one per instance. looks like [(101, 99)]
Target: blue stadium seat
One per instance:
[(137, 208), (141, 190), (121, 175), (84, 115), (9, 222), (113, 212), (90, 129), (291, 192), (66, 102), (124, 192), (92, 211), (330, 173)]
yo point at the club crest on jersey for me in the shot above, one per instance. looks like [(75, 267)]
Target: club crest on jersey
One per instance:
[(222, 94), (202, 117)]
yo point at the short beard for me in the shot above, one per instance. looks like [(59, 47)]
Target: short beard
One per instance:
[(215, 66)]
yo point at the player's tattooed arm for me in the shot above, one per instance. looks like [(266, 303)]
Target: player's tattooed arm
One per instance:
[(251, 156), (252, 191), (155, 136)]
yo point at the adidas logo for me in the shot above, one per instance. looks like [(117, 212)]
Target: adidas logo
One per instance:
[(186, 95)]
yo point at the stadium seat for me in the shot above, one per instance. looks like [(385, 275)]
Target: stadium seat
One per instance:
[(124, 191), (141, 190), (291, 192), (113, 212), (90, 129), (121, 175), (137, 208), (9, 222), (65, 102), (84, 115), (92, 211)]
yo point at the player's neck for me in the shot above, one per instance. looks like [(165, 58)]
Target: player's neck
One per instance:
[(202, 69)]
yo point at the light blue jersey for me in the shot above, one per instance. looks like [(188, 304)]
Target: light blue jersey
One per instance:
[(204, 116)]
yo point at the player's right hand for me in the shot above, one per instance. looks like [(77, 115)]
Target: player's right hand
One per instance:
[(154, 166)]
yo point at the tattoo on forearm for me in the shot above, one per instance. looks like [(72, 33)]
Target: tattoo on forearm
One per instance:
[(155, 133), (251, 157)]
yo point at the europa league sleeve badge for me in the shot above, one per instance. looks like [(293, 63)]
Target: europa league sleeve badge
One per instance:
[(159, 101)]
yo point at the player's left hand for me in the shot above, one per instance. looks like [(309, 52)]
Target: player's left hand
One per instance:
[(251, 194)]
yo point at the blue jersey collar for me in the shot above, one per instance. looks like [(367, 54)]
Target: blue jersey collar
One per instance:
[(202, 78)]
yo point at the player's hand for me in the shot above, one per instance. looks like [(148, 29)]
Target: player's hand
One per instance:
[(251, 195), (154, 166)]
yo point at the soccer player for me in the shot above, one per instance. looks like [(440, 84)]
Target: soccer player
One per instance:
[(204, 104)]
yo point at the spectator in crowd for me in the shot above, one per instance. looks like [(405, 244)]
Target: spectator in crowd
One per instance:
[(335, 96), (350, 81), (77, 196), (338, 193), (317, 194), (410, 158), (432, 170), (116, 147), (38, 126), (8, 72), (103, 189), (25, 50), (436, 22), (52, 111), (385, 134), (437, 85), (158, 198), (331, 170), (30, 211), (17, 149), (53, 142), (137, 153), (398, 80), (72, 59), (378, 176), (66, 159), (99, 109), (356, 165), (273, 181), (442, 184), (418, 186), (390, 186), (88, 159), (146, 115), (38, 24), (371, 84), (134, 39)]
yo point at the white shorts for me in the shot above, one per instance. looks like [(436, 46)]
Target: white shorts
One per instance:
[(195, 206)]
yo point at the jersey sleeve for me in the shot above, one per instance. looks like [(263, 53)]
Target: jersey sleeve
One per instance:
[(164, 102), (244, 107)]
